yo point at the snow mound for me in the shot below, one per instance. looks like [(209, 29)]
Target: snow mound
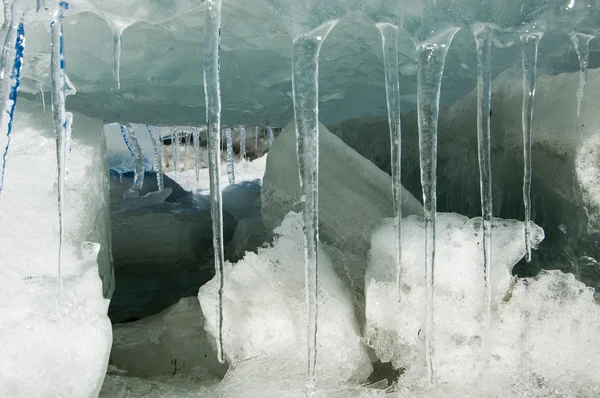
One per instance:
[(264, 313)]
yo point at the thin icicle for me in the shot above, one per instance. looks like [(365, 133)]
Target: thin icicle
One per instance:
[(196, 138), (117, 57), (389, 42), (483, 38), (432, 56), (212, 92), (305, 87), (270, 136), (230, 156), (243, 142), (256, 141), (530, 43), (581, 42), (138, 162), (157, 159), (60, 122), (12, 54), (175, 147)]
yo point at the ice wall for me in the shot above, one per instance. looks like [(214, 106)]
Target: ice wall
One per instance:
[(44, 344), (256, 52)]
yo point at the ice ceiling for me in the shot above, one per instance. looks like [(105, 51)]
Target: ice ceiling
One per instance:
[(162, 48)]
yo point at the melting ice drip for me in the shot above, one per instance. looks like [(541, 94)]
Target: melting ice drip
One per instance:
[(9, 85)]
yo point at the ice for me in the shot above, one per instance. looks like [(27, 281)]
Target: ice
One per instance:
[(483, 38), (158, 156), (432, 57), (43, 344), (9, 86), (271, 322), (151, 346), (243, 142), (305, 88), (230, 156), (397, 332), (530, 42), (212, 94), (389, 42), (357, 196), (138, 161)]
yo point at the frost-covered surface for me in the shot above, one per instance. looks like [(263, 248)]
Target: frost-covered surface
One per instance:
[(264, 314), (50, 348), (542, 328)]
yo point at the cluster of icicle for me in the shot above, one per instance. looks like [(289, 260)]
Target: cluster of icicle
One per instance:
[(432, 49)]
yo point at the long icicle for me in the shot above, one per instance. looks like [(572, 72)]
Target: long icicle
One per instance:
[(157, 160), (389, 42), (9, 85), (212, 92), (230, 156), (581, 42), (243, 142), (196, 138), (530, 43), (59, 114), (432, 57), (305, 87), (483, 38)]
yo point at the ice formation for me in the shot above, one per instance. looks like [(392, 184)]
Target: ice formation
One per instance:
[(339, 68), (41, 339), (270, 287)]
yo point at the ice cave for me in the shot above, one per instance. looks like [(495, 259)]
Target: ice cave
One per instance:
[(299, 198)]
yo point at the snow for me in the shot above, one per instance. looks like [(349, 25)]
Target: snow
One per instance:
[(45, 343), (264, 313), (533, 329)]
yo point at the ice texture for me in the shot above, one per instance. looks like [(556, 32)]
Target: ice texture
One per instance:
[(256, 49), (264, 314), (45, 344), (397, 332), (356, 196)]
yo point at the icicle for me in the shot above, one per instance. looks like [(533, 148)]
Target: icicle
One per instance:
[(305, 87), (230, 156), (117, 58), (138, 162), (432, 56), (389, 41), (256, 141), (483, 38), (530, 43), (40, 87), (175, 147), (157, 159), (196, 138), (212, 92), (12, 54), (60, 122), (243, 142), (270, 136), (581, 42), (8, 12)]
